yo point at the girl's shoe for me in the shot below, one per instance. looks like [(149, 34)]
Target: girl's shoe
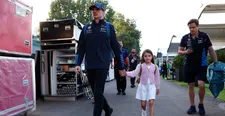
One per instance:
[(143, 113)]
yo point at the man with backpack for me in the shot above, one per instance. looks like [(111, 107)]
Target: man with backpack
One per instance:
[(134, 60), (195, 46), (97, 41), (121, 81)]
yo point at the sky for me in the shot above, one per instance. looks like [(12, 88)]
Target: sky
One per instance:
[(157, 20)]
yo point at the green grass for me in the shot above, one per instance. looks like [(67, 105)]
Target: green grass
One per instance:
[(169, 77), (207, 91)]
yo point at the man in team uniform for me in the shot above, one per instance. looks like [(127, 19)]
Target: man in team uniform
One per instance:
[(121, 81), (134, 60), (195, 45), (96, 47)]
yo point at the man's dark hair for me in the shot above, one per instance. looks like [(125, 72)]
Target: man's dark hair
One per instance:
[(195, 21)]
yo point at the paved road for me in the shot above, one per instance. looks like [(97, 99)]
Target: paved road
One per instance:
[(172, 101)]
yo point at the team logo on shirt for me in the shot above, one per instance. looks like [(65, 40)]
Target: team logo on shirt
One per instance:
[(89, 31), (103, 29), (200, 41), (189, 42), (103, 26)]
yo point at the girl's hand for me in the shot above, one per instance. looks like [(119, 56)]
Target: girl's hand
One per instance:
[(122, 73), (157, 91), (112, 66)]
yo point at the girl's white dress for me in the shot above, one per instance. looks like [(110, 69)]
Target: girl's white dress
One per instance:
[(146, 92)]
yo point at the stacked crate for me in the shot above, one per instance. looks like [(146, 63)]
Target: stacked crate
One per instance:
[(17, 77)]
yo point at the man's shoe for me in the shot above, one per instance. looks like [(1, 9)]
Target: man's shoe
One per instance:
[(201, 109), (118, 93), (109, 112), (124, 93), (191, 110)]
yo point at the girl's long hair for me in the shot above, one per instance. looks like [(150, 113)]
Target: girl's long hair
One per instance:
[(147, 51)]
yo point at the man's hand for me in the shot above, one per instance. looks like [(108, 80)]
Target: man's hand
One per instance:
[(188, 51), (157, 91), (122, 73), (180, 52), (112, 66), (128, 68), (77, 69)]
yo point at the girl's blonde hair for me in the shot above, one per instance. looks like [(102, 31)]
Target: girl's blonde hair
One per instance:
[(150, 52)]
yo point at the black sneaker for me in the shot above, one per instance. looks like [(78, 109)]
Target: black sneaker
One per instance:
[(132, 86), (109, 112), (191, 110), (118, 93), (124, 93), (201, 109)]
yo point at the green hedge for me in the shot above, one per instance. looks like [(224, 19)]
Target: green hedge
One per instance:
[(220, 56), (179, 61)]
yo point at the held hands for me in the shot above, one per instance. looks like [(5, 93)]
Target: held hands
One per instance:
[(112, 66), (122, 73), (157, 91), (128, 68), (77, 69)]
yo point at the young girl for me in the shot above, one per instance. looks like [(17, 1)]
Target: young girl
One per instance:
[(149, 84)]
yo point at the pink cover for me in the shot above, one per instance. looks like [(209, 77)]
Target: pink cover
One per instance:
[(16, 85), (16, 27)]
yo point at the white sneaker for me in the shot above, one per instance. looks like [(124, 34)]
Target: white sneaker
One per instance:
[(143, 113)]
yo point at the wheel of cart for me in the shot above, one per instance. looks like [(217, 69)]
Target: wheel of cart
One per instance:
[(85, 85)]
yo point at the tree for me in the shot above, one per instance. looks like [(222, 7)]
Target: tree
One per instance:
[(109, 14), (126, 28), (61, 9), (82, 11), (127, 32), (84, 15)]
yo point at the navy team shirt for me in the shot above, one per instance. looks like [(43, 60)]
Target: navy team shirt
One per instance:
[(96, 47), (200, 46)]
